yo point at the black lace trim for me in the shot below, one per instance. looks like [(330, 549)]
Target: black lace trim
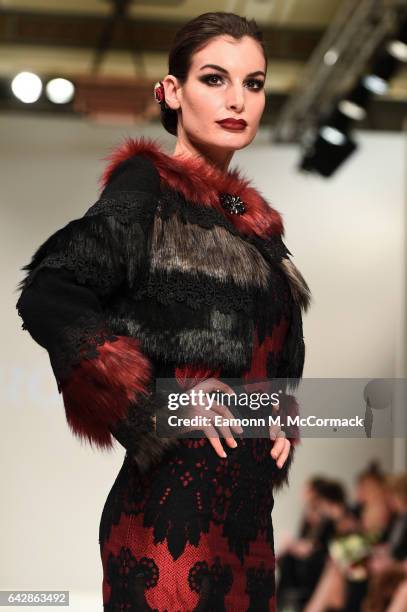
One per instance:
[(172, 201), (196, 291), (125, 206), (139, 419), (86, 271), (77, 343)]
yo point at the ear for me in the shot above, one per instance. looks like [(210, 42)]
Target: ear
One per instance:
[(172, 89)]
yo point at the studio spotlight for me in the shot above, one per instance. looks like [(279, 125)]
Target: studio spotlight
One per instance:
[(335, 127), (331, 57), (398, 50), (332, 135), (60, 91), (355, 103), (359, 95), (324, 157), (383, 69), (27, 87), (352, 110), (398, 46), (375, 84)]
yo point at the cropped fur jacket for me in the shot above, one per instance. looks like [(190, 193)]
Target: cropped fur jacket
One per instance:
[(164, 276)]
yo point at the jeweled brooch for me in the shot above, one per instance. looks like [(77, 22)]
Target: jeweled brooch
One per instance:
[(232, 203)]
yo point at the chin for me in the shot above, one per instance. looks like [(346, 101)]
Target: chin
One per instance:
[(233, 142)]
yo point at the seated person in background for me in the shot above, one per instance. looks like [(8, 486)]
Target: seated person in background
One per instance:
[(302, 560), (388, 563), (344, 582)]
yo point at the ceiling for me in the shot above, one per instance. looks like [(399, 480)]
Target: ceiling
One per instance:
[(54, 38)]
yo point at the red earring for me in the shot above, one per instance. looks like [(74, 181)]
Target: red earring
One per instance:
[(159, 93)]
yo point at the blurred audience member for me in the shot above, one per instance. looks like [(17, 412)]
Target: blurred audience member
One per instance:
[(348, 557), (302, 560)]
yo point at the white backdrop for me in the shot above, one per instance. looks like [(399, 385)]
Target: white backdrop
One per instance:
[(347, 238)]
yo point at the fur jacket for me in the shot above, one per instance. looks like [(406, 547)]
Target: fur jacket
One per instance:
[(178, 270)]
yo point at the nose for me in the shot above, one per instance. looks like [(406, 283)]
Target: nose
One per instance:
[(235, 98)]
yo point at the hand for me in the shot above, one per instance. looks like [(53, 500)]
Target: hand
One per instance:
[(200, 409), (281, 447), (378, 564), (302, 548)]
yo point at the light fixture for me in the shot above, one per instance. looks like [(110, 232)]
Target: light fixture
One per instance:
[(352, 110), (398, 46), (382, 71), (332, 135), (375, 84), (324, 158), (60, 91), (355, 103), (331, 57), (27, 87), (398, 50)]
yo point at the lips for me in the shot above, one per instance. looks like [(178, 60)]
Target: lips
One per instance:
[(236, 124)]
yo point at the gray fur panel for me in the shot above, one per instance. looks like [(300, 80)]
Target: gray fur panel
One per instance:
[(219, 344), (299, 289), (216, 252)]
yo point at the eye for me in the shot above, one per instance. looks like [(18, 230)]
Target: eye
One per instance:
[(207, 78), (259, 84), (256, 83)]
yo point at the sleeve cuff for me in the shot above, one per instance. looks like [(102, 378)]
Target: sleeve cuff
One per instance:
[(99, 391)]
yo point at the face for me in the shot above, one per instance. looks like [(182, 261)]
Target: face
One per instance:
[(234, 89)]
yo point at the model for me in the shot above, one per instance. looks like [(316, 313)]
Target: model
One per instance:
[(179, 271)]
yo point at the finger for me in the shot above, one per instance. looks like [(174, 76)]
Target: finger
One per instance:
[(274, 431), (225, 432), (284, 455), (225, 412), (214, 383), (213, 438), (278, 446)]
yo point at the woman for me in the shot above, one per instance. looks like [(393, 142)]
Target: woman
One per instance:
[(179, 271)]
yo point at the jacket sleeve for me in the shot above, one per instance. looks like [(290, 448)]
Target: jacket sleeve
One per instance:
[(291, 361), (105, 379)]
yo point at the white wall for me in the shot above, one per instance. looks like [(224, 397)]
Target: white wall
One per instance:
[(347, 238)]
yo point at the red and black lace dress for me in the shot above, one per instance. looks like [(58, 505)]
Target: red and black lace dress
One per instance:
[(121, 298), (196, 531)]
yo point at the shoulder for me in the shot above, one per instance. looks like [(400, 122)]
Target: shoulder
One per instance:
[(135, 173), (131, 188)]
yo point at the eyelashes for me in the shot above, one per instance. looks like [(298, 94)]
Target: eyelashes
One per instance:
[(207, 79)]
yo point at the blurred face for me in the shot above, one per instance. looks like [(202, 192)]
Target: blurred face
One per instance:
[(225, 80)]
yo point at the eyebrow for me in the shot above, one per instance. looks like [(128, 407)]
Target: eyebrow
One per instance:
[(252, 74)]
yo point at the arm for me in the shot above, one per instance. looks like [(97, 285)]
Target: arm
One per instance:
[(290, 362), (104, 378)]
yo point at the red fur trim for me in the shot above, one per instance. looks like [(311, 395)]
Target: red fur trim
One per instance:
[(201, 183), (99, 391), (190, 375)]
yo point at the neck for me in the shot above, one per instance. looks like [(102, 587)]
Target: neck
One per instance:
[(214, 157)]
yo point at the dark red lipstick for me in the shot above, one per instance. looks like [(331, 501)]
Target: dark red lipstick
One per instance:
[(233, 124)]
